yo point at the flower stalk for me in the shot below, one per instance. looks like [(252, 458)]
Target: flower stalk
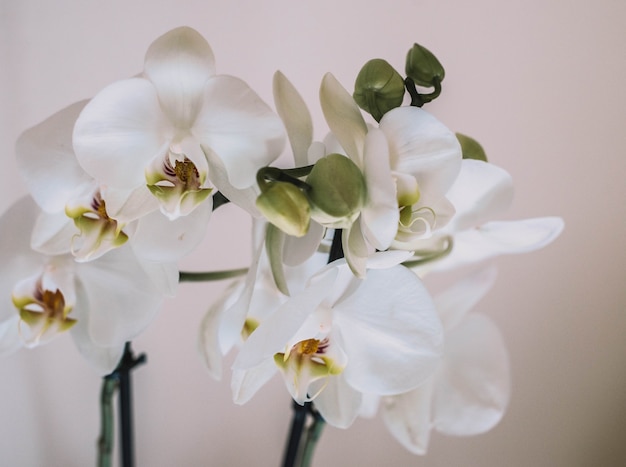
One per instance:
[(119, 380)]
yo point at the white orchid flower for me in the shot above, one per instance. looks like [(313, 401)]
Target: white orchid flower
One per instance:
[(341, 337), (481, 192), (408, 163), (249, 301), (469, 392), (103, 303), (76, 213), (177, 131)]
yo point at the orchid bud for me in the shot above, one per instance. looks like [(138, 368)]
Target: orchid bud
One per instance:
[(470, 148), (285, 206), (378, 88), (337, 191), (423, 67)]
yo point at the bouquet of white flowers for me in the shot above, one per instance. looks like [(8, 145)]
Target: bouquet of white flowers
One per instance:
[(124, 185)]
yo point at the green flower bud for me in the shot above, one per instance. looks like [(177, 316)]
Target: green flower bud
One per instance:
[(378, 88), (285, 206), (337, 191), (470, 148), (423, 67)]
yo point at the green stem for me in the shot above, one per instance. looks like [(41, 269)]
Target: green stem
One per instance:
[(417, 99), (188, 276), (312, 436), (105, 441), (219, 200), (274, 174), (299, 171)]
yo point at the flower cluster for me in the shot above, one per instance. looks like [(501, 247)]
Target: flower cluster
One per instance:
[(123, 186)]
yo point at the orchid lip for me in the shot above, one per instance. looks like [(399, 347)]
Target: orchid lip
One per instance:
[(99, 233), (177, 184)]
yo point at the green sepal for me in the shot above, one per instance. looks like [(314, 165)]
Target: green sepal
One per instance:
[(471, 148), (274, 242)]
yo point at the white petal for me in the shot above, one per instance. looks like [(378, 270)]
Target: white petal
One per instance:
[(53, 233), (480, 192), (473, 386), (387, 259), (423, 147), (390, 331), (122, 299), (456, 301), (233, 320), (244, 198), (338, 403), (9, 335), (179, 63), (355, 249), (380, 215), (17, 260), (278, 329), (297, 250), (296, 117), (343, 118), (120, 131), (159, 239), (103, 358), (408, 417), (240, 128), (501, 238), (208, 342), (46, 161), (127, 205), (164, 275), (246, 383)]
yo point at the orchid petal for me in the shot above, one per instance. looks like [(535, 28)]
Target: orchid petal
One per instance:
[(343, 118), (244, 198), (17, 260), (103, 358), (122, 298), (233, 320), (500, 238), (423, 147), (126, 205), (473, 386), (408, 417), (480, 192), (159, 239), (355, 249), (296, 117), (456, 301), (392, 326), (280, 327), (240, 128), (46, 161), (208, 342), (246, 383), (53, 233), (387, 259), (9, 335), (297, 250), (179, 63), (380, 215), (337, 402), (164, 275), (119, 132)]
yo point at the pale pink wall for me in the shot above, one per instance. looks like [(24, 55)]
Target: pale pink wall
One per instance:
[(540, 83)]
